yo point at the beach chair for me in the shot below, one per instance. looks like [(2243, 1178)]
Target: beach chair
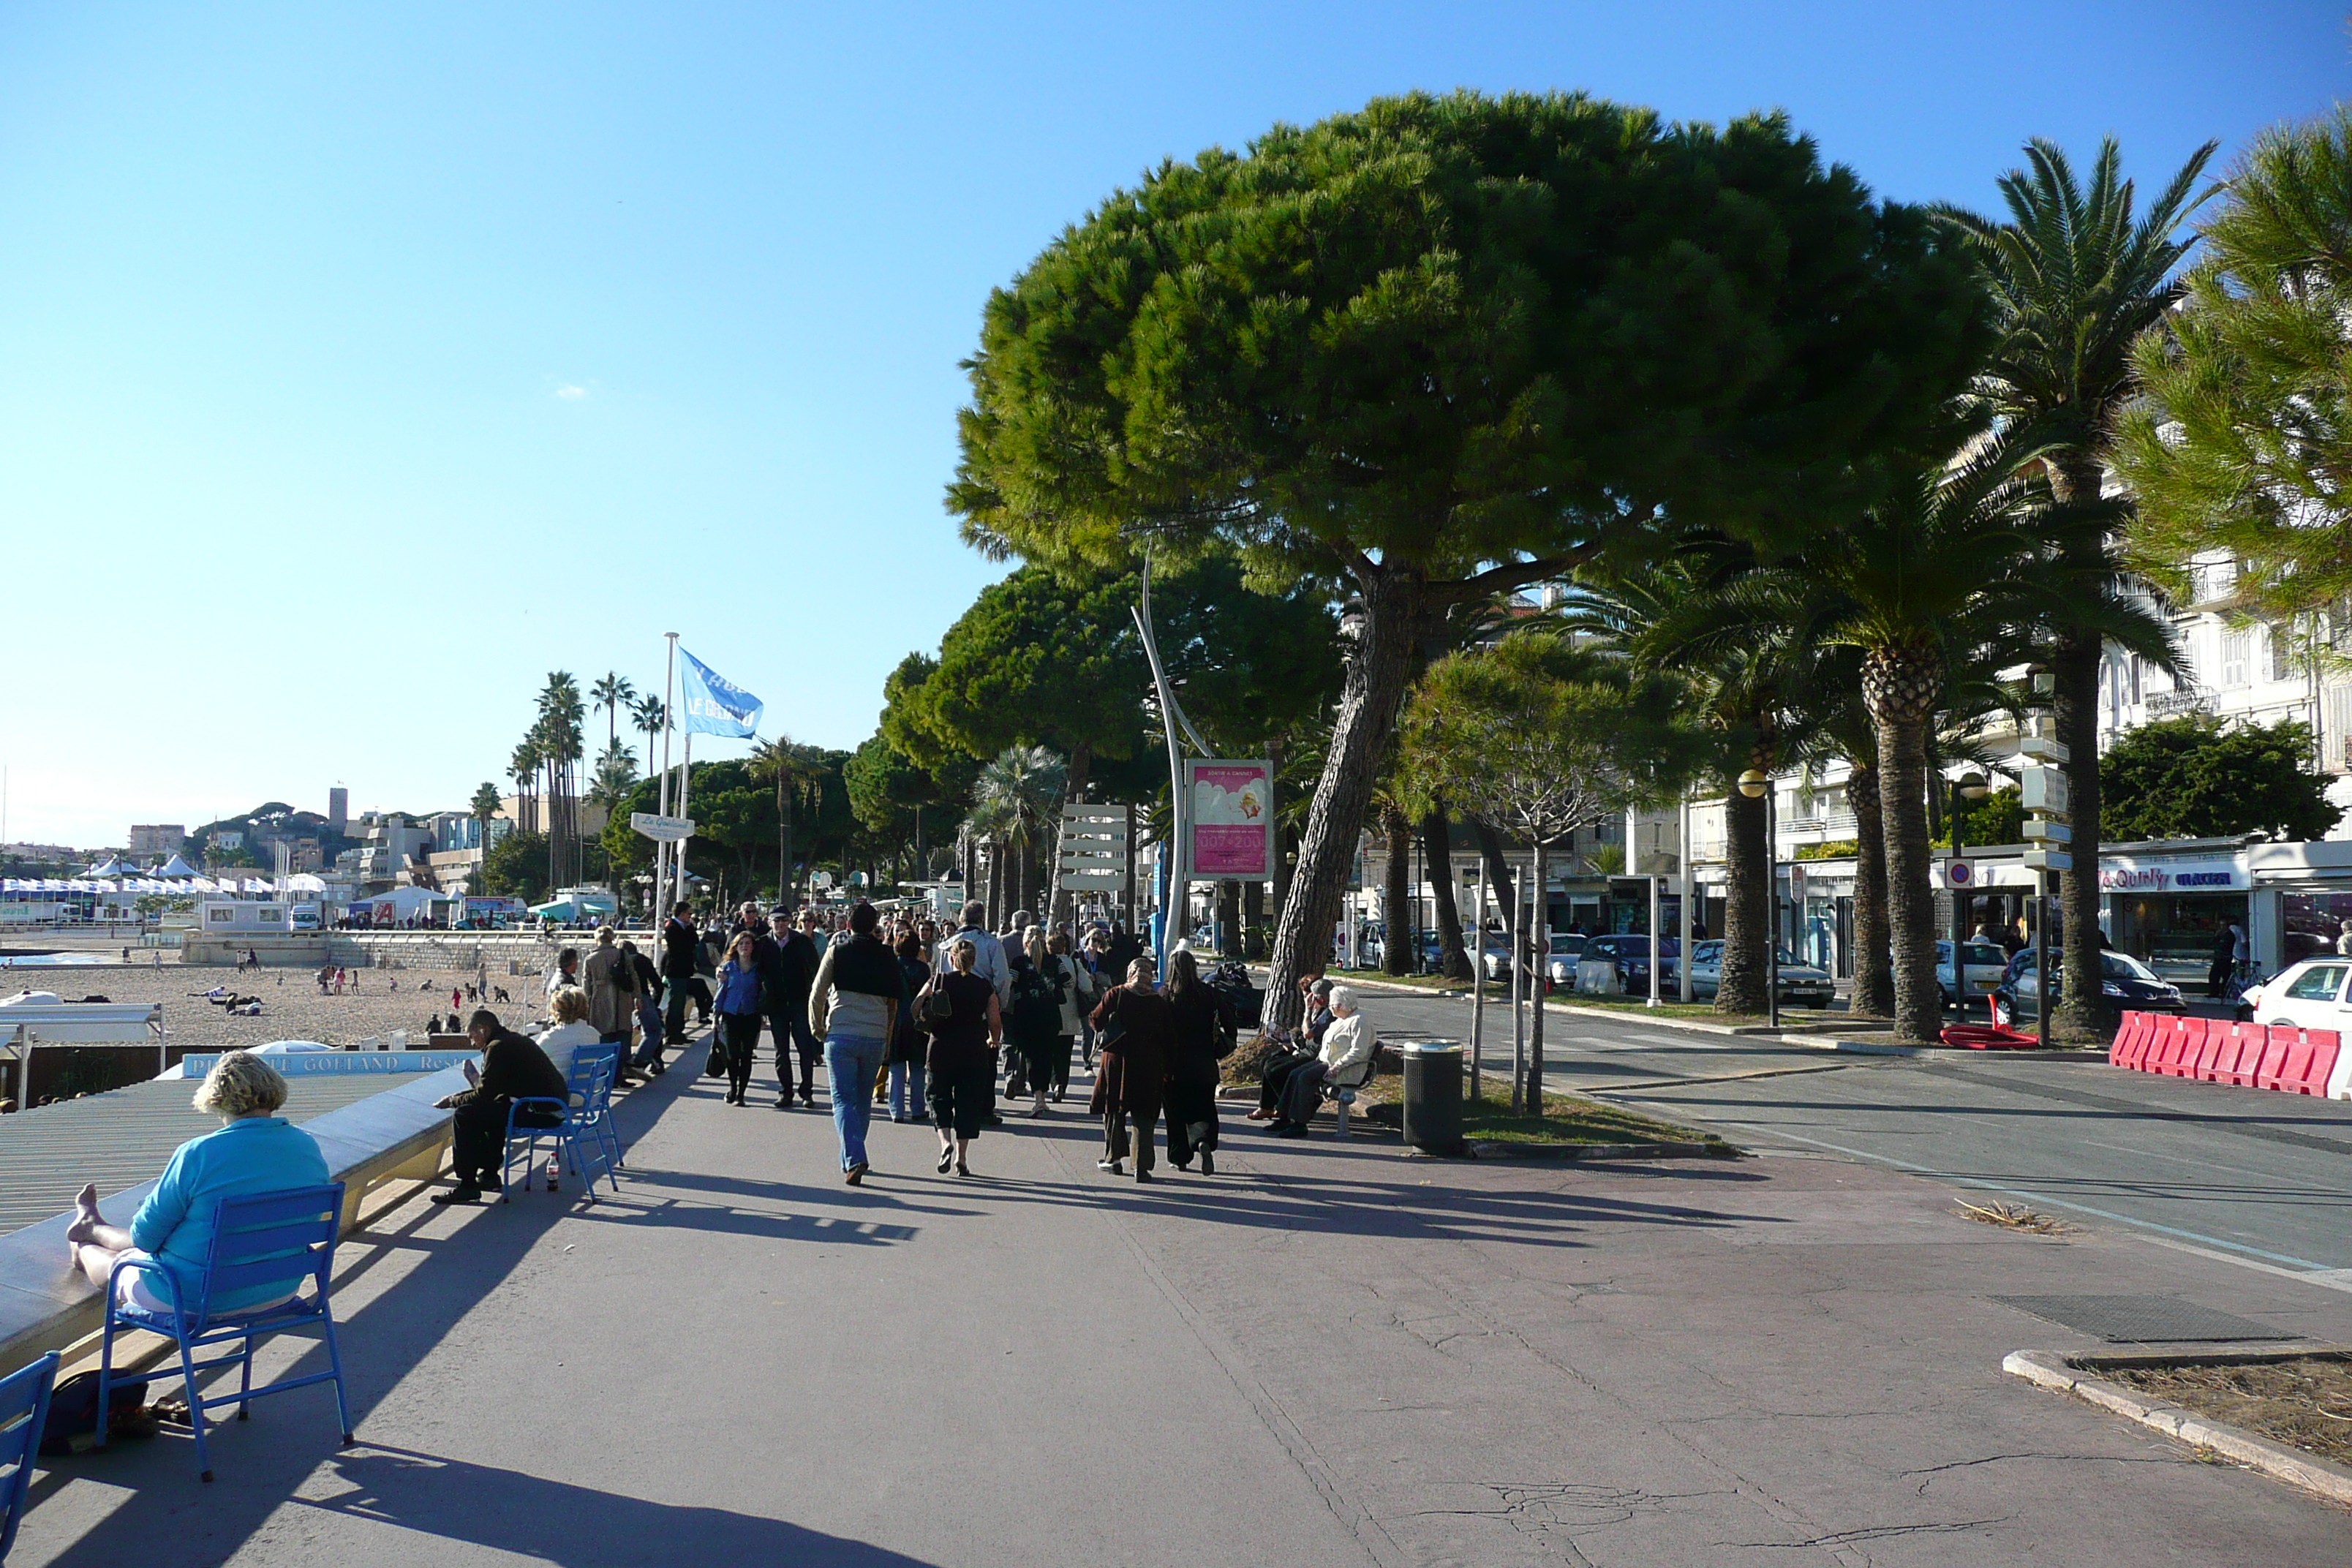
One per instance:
[(24, 1412), (262, 1241)]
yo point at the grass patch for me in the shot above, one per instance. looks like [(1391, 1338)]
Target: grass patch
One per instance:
[(2304, 1403), (1566, 1119)]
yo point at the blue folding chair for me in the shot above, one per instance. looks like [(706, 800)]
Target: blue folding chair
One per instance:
[(573, 1127), (264, 1241), (601, 1107), (24, 1411)]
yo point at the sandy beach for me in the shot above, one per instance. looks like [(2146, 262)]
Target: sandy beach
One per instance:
[(375, 1002)]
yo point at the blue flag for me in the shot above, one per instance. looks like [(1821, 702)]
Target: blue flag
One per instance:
[(716, 706)]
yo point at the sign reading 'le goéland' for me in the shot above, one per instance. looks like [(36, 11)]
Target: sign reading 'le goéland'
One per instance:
[(2185, 877)]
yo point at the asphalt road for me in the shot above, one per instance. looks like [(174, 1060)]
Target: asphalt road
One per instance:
[(2261, 1177)]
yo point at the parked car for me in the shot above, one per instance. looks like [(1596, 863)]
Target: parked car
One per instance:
[(1984, 967), (1802, 983), (2309, 995), (1629, 955), (2124, 980), (1496, 957)]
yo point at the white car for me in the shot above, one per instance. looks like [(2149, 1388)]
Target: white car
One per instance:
[(1983, 964), (2309, 995)]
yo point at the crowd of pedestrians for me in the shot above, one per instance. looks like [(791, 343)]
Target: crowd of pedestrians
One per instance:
[(956, 1027)]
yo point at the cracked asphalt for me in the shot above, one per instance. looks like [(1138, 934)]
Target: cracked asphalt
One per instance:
[(1324, 1355)]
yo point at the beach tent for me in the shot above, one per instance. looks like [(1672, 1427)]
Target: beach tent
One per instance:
[(175, 866), (576, 907)]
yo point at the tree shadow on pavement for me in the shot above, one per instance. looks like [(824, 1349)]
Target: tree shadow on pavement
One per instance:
[(578, 1527)]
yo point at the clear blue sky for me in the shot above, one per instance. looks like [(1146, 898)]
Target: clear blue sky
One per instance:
[(361, 364)]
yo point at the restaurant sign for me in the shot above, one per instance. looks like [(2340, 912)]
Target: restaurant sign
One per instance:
[(2181, 877)]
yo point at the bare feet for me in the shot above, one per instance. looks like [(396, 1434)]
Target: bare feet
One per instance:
[(85, 1221)]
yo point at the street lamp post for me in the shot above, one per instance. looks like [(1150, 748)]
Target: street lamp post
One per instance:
[(1970, 785), (1756, 786)]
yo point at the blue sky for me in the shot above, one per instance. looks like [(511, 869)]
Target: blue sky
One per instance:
[(358, 366)]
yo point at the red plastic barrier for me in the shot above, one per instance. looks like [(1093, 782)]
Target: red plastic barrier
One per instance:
[(2242, 1060), (2325, 1045), (2153, 1028), (2208, 1050), (2129, 1048), (2282, 1040), (2292, 1076), (2180, 1046)]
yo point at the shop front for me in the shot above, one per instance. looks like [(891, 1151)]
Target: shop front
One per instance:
[(2176, 914)]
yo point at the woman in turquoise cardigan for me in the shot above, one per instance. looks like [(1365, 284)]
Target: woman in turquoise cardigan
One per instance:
[(255, 1151)]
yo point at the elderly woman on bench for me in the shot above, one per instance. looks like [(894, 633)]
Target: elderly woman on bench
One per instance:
[(255, 1151), (1346, 1061)]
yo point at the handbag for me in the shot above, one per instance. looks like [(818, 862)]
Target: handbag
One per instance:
[(934, 1007)]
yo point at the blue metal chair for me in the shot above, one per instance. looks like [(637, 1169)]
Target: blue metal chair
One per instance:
[(573, 1130), (266, 1241), (24, 1411)]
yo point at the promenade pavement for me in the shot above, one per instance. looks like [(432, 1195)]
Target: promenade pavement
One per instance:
[(1326, 1354)]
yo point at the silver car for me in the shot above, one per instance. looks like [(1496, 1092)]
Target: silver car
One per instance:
[(1800, 983)]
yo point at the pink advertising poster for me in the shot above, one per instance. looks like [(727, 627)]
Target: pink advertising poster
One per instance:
[(1231, 821)]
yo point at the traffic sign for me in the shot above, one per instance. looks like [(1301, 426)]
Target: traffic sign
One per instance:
[(1959, 874), (2049, 860)]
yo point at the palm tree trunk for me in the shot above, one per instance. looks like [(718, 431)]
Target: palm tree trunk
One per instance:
[(1747, 907), (1436, 854), (1396, 940), (2081, 1017), (1910, 900), (1874, 973)]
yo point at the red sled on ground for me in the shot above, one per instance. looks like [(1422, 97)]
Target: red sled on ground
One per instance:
[(1987, 1037)]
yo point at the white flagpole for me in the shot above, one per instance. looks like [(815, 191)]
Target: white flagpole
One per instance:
[(684, 779), (663, 898)]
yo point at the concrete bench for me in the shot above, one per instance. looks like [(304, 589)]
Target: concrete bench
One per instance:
[(395, 1135)]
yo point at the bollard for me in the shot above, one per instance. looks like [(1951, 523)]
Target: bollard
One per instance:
[(1432, 1095)]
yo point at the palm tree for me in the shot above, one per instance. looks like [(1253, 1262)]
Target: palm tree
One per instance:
[(777, 762), (651, 715), (613, 693), (1950, 563), (523, 768), (560, 745), (1016, 802), (2076, 277), (1736, 632)]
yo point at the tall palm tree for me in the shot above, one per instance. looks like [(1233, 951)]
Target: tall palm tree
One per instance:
[(651, 716), (613, 693), (1948, 562), (1017, 801), (523, 768), (1736, 631), (777, 762), (2076, 276), (562, 716)]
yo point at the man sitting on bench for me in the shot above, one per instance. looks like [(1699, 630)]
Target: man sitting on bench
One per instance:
[(1346, 1061), (513, 1067)]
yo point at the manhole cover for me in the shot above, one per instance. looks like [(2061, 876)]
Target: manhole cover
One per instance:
[(2141, 1320)]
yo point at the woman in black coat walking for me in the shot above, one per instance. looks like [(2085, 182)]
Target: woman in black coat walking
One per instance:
[(1204, 1036), (907, 1046)]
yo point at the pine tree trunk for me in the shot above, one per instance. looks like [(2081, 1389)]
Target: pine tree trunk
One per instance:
[(1539, 980), (1744, 988), (1394, 605), (1874, 971), (1438, 856), (1500, 901), (1396, 941)]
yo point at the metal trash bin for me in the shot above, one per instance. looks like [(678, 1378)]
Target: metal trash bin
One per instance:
[(1432, 1095)]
